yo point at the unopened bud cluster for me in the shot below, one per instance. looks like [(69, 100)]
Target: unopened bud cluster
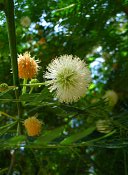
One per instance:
[(33, 126), (27, 66)]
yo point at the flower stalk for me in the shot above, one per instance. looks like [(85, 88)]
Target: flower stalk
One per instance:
[(9, 12), (35, 84), (24, 87)]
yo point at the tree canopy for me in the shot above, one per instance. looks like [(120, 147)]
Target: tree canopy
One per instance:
[(88, 136)]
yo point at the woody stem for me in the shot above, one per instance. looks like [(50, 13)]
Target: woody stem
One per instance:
[(9, 12)]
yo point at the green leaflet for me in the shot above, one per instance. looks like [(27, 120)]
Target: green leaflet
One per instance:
[(75, 137), (6, 91), (5, 96), (4, 129), (48, 136), (3, 170), (28, 97), (93, 141), (69, 141), (39, 99), (17, 139), (13, 142)]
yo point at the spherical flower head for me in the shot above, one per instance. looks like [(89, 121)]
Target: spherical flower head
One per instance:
[(103, 126), (27, 66), (33, 126), (68, 77), (112, 97), (25, 21)]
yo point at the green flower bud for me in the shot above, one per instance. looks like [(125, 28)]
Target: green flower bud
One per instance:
[(104, 126), (3, 87), (33, 82)]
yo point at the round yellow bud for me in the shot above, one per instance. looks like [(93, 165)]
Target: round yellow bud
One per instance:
[(103, 126), (27, 66), (112, 97), (33, 126), (25, 21)]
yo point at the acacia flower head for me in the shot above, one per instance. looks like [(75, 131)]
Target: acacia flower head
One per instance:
[(68, 77), (25, 21), (33, 126), (27, 66), (112, 97), (104, 126)]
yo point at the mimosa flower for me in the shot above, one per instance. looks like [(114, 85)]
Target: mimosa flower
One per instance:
[(68, 77), (112, 97), (25, 21), (33, 126), (27, 66)]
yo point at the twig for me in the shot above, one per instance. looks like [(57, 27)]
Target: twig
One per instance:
[(12, 163)]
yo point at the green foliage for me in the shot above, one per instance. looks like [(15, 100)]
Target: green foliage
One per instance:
[(70, 142), (75, 137)]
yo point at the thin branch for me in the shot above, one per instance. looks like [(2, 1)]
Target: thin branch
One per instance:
[(11, 164)]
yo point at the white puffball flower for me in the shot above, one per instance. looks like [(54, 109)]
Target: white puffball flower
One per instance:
[(68, 77), (25, 21), (112, 97)]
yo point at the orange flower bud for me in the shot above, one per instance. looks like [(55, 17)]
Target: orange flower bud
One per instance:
[(42, 41), (27, 66), (33, 126)]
